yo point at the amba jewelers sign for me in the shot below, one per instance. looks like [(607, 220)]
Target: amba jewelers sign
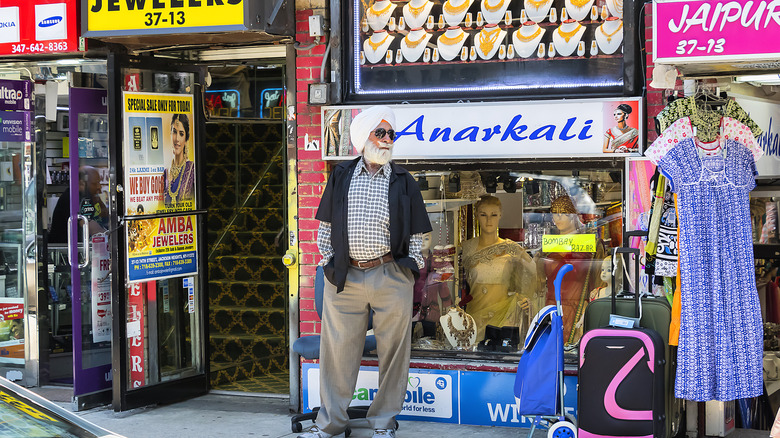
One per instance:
[(139, 17)]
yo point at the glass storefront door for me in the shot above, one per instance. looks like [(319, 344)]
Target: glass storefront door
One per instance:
[(159, 328)]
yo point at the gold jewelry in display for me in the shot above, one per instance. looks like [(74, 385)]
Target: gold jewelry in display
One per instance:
[(488, 39), (537, 4), (494, 8), (174, 173), (455, 10), (463, 336), (412, 44), (563, 204), (610, 35), (568, 35), (374, 45), (418, 10), (579, 3), (529, 38), (371, 10), (619, 6), (451, 41)]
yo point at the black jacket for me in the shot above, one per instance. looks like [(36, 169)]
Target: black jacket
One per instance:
[(407, 217)]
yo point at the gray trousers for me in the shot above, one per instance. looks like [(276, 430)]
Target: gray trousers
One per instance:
[(387, 291)]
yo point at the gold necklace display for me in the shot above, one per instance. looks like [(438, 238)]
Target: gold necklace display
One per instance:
[(374, 45), (568, 35), (619, 6), (412, 44), (455, 10), (371, 10), (530, 38), (610, 35), (487, 40), (463, 336), (537, 4), (494, 8), (418, 10), (451, 41), (579, 3), (175, 172)]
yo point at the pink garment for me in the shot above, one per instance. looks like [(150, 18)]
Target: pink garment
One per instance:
[(733, 129)]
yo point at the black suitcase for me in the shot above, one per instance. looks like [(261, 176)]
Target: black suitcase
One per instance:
[(622, 378)]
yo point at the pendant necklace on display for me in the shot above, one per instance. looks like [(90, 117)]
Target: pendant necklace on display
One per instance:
[(412, 44), (451, 41), (416, 11), (379, 13), (494, 8), (487, 40), (463, 336), (455, 10), (527, 39), (568, 35), (537, 4), (374, 45), (610, 35), (579, 3)]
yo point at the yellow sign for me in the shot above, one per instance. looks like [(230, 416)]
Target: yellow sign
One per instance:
[(113, 17), (569, 243)]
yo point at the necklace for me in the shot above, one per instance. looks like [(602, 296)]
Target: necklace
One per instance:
[(619, 6), (568, 35), (451, 41), (173, 175), (610, 35), (374, 45), (463, 336), (494, 8), (529, 38), (488, 39), (412, 44), (379, 13), (455, 10), (418, 10), (537, 4), (579, 3)]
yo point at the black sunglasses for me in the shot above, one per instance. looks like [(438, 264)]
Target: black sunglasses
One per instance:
[(380, 133)]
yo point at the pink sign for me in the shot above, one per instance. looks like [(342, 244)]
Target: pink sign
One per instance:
[(726, 30)]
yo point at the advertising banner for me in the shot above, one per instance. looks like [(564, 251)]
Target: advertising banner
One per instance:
[(159, 151), (38, 26), (431, 395), (161, 248), (135, 333), (766, 114), (587, 127), (101, 289), (720, 30), (15, 95), (16, 126), (445, 396), (114, 18), (12, 330)]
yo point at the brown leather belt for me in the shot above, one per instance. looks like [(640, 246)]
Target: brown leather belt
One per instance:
[(366, 264)]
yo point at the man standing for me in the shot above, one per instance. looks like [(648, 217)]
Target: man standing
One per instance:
[(372, 218), (90, 205)]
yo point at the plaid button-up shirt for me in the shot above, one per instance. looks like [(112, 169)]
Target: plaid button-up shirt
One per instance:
[(368, 223)]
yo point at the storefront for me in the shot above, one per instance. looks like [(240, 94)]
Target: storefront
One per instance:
[(130, 224), (540, 119)]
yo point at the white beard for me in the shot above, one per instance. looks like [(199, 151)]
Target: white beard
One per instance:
[(373, 154)]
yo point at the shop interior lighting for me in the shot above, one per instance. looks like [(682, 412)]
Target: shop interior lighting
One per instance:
[(773, 79), (422, 181), (510, 183), (270, 51), (490, 181), (453, 183)]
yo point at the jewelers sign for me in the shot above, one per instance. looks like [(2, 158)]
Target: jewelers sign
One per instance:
[(715, 30), (161, 248), (140, 17), (587, 127)]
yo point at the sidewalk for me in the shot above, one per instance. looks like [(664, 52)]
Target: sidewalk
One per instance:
[(214, 415)]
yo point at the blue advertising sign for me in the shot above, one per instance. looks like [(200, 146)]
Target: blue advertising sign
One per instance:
[(15, 126), (491, 399), (15, 95)]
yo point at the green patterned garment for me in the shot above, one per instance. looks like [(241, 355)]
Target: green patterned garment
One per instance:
[(706, 122)]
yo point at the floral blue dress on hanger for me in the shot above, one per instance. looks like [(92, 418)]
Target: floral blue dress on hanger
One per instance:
[(721, 334)]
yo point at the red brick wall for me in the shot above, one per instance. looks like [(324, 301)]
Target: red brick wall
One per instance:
[(311, 170)]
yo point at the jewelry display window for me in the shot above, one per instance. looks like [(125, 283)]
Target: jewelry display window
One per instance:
[(499, 236), (446, 48)]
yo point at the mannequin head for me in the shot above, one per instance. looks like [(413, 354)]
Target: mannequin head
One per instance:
[(564, 215), (426, 243), (606, 270), (488, 214)]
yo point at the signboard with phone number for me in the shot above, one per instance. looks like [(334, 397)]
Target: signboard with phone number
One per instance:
[(139, 17), (38, 26)]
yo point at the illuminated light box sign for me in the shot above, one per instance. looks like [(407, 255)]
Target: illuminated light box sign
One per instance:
[(714, 30), (15, 126), (572, 128), (117, 18), (38, 26), (15, 95)]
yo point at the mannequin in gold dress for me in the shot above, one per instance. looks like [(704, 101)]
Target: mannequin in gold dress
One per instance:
[(500, 273)]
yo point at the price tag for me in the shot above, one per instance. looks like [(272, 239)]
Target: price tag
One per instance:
[(569, 243)]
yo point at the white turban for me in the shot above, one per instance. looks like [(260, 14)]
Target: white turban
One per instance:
[(367, 121)]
